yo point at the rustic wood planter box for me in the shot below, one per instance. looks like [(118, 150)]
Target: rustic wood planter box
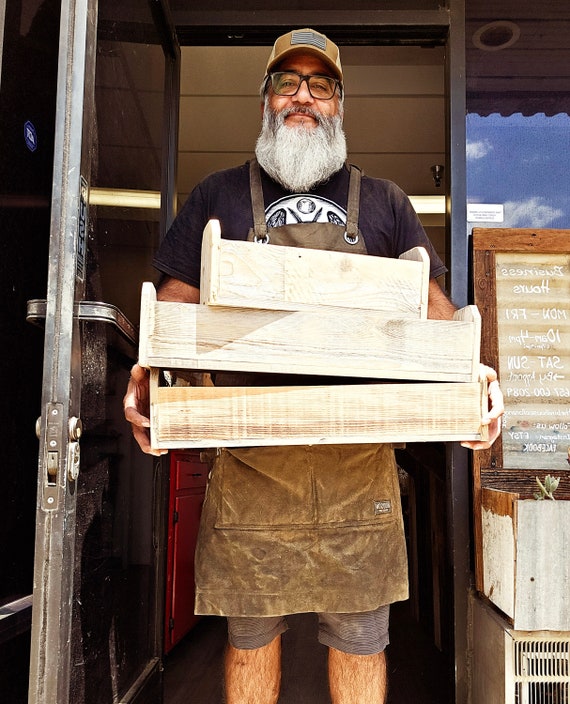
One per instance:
[(327, 342), (183, 417), (526, 559), (244, 274)]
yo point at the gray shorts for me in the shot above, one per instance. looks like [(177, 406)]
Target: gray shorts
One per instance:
[(363, 633)]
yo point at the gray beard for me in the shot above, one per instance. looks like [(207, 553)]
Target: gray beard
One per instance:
[(299, 158)]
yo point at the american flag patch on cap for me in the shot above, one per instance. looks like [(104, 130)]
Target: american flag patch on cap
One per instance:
[(311, 38)]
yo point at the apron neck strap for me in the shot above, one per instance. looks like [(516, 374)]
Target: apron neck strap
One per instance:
[(258, 205), (353, 204)]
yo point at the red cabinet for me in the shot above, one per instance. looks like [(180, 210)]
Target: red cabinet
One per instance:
[(188, 478)]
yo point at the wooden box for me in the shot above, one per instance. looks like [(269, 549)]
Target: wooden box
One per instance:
[(308, 415), (327, 342), (526, 560), (251, 275)]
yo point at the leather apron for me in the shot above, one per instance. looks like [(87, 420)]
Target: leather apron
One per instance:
[(297, 529)]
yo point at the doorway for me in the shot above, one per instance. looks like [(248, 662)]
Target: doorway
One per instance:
[(395, 122)]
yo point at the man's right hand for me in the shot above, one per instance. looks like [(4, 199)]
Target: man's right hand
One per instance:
[(136, 406)]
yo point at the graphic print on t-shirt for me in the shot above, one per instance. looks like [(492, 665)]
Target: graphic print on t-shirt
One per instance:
[(295, 209)]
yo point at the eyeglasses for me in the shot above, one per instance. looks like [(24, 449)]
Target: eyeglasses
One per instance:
[(287, 83)]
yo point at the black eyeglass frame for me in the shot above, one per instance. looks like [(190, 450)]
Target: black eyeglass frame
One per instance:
[(304, 78)]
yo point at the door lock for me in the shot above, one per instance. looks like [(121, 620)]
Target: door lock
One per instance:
[(73, 461), (75, 428)]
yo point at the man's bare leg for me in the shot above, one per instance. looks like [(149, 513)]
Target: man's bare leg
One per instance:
[(357, 679), (253, 676)]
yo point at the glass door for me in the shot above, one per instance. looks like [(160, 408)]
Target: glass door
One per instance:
[(97, 605)]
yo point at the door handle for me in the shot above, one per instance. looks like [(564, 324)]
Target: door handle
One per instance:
[(90, 311)]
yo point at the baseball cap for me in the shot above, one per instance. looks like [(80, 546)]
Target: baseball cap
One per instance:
[(308, 41)]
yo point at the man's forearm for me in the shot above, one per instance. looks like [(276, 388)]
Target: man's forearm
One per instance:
[(171, 289), (439, 305)]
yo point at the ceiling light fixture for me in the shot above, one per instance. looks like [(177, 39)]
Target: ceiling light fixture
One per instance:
[(496, 36), (428, 204), (124, 198)]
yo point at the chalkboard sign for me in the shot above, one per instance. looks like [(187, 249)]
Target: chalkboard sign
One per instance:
[(522, 288)]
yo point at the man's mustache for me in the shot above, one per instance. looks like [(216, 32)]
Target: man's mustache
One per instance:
[(301, 110)]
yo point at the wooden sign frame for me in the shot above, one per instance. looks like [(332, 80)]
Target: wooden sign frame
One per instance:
[(488, 465)]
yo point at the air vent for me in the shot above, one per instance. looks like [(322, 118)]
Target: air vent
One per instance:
[(541, 670), (516, 667)]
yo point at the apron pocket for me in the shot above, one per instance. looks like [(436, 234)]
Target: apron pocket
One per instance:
[(258, 490), (319, 486), (357, 485)]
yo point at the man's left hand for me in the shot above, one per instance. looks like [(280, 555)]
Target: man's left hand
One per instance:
[(493, 416)]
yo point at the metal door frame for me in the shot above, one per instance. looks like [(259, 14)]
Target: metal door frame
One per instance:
[(59, 427), (55, 513), (458, 470)]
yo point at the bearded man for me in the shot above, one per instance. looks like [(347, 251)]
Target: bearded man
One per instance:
[(297, 529)]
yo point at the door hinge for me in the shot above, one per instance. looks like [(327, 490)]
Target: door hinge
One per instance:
[(175, 517), (171, 624)]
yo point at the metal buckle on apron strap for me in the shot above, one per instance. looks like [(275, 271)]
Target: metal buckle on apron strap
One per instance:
[(350, 239), (264, 239)]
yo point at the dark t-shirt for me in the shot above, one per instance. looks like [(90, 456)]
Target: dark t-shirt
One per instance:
[(387, 219)]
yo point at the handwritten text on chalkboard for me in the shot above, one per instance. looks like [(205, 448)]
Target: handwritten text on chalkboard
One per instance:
[(533, 320)]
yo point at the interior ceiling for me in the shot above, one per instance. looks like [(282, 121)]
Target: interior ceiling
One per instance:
[(260, 21), (521, 61)]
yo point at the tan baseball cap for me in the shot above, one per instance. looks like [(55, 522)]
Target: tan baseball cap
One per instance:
[(308, 41)]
